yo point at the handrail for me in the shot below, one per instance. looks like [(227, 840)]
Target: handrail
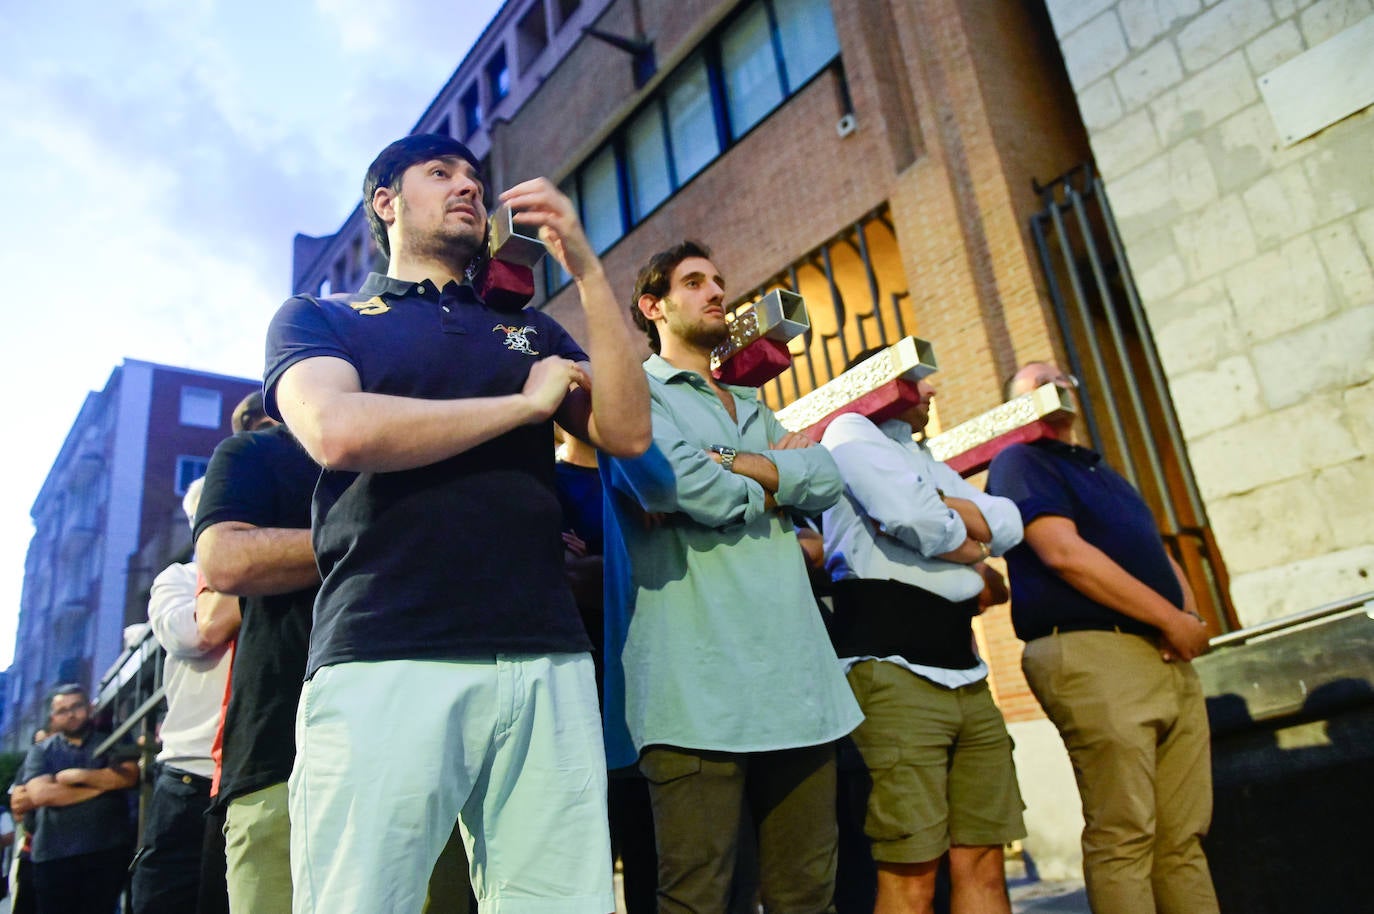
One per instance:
[(1295, 619), (143, 710)]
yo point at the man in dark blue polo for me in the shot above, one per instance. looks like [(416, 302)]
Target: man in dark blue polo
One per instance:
[(83, 843), (449, 674), (1110, 624)]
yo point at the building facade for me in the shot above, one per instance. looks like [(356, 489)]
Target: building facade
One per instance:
[(1234, 140), (950, 169), (107, 520)]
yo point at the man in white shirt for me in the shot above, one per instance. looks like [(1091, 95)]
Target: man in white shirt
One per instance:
[(905, 545), (167, 869)]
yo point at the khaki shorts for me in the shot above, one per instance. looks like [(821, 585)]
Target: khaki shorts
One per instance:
[(940, 765)]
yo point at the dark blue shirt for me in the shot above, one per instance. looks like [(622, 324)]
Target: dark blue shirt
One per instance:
[(579, 492), (460, 558), (101, 823), (1049, 477)]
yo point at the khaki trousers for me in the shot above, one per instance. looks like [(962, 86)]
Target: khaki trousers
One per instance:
[(698, 797), (257, 850), (1136, 731)]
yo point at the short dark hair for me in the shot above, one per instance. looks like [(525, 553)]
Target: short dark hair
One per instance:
[(68, 688), (656, 276), (386, 171), (248, 413)]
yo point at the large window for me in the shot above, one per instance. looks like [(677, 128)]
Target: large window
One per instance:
[(471, 107), (753, 83), (691, 119), (601, 210), (200, 407), (807, 35), (189, 469), (742, 72), (646, 155), (498, 77)]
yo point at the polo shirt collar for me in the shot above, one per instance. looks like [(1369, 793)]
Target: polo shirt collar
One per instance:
[(1071, 451), (381, 284), (747, 397), (661, 368)]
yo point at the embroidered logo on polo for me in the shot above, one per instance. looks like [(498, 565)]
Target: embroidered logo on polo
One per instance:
[(517, 338), (373, 305)]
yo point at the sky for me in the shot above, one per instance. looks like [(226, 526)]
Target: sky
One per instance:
[(160, 156)]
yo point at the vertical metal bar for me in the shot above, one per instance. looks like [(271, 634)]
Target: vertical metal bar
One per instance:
[(1085, 315), (837, 302), (810, 361), (1147, 345), (1123, 361), (897, 312), (873, 292), (1061, 314)]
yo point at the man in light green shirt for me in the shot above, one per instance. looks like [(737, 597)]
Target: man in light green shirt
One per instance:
[(721, 680)]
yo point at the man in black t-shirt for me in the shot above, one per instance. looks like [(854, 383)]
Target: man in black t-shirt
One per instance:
[(253, 539), (83, 842), (445, 632)]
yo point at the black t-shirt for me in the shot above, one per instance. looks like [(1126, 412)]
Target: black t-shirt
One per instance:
[(101, 823), (1052, 478), (262, 478), (460, 558)]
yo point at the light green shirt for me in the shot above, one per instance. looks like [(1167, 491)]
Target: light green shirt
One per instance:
[(723, 643)]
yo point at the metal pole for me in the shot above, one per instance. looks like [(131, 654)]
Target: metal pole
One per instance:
[(1127, 374)]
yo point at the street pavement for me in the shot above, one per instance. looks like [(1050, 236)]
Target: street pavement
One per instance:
[(1049, 898)]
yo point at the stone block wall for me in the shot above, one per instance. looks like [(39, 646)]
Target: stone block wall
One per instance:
[(1254, 264)]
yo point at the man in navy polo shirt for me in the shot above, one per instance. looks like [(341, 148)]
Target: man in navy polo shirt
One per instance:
[(449, 674), (83, 843), (1110, 624)]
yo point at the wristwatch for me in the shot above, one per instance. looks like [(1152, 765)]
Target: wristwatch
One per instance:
[(727, 456)]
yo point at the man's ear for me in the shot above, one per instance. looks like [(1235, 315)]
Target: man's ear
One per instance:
[(384, 202), (650, 307)]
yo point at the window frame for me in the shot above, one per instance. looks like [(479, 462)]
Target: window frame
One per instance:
[(708, 55), (189, 391)]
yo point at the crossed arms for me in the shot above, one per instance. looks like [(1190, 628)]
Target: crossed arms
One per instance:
[(77, 785), (345, 428)]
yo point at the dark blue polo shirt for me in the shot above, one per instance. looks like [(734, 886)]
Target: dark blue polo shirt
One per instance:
[(460, 558), (1051, 477), (101, 823)]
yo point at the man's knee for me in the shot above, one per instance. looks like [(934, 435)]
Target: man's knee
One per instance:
[(913, 884), (979, 865)]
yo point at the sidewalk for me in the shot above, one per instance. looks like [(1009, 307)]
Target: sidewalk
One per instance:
[(1049, 898)]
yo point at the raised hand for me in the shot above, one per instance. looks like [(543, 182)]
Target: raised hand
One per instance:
[(539, 204)]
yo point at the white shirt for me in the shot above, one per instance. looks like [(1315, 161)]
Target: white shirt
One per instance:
[(194, 678), (892, 487)]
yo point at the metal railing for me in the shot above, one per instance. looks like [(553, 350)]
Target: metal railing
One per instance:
[(1364, 601), (131, 694)]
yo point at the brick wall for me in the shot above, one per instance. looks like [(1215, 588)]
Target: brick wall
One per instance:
[(957, 106)]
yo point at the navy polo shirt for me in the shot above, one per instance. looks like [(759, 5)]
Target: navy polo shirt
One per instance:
[(101, 823), (460, 558), (1051, 477)]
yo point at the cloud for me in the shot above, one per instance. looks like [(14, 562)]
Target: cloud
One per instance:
[(162, 154)]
